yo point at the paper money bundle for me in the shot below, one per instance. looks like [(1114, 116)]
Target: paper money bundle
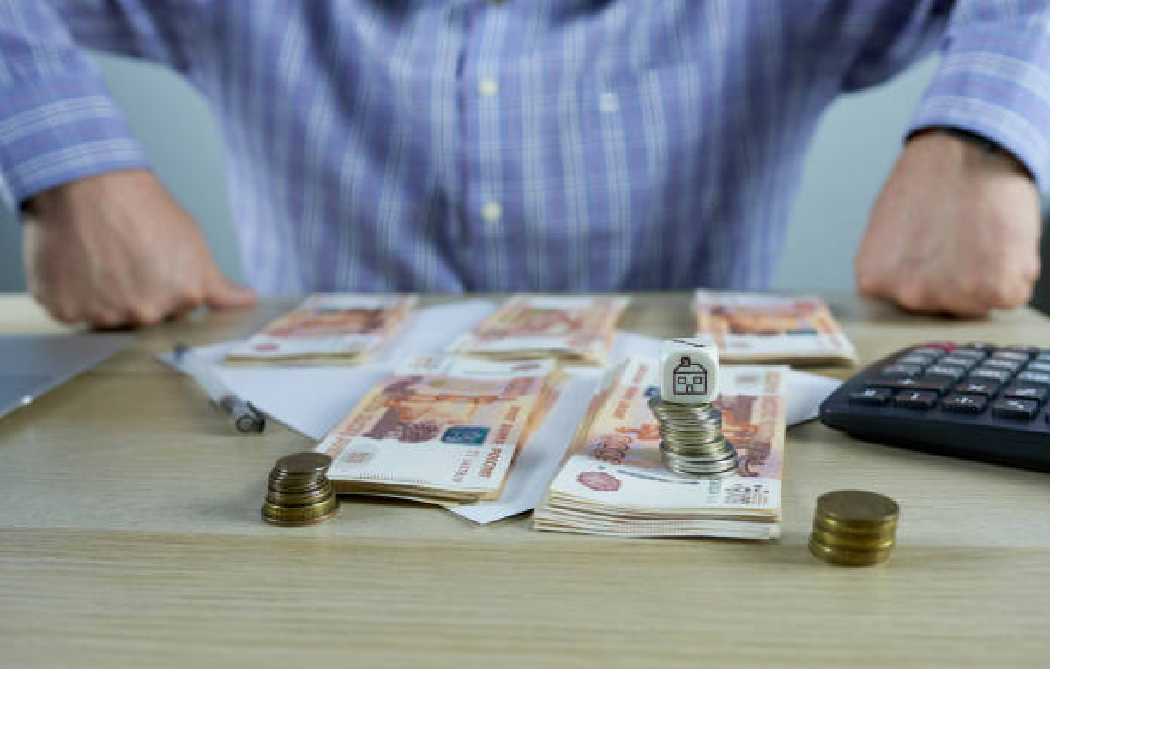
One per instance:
[(614, 482), (441, 430), (573, 329), (763, 328), (327, 329)]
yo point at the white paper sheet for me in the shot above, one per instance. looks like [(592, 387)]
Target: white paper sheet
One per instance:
[(312, 400)]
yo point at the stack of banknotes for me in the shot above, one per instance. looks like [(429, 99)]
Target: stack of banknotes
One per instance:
[(614, 483), (440, 429), (571, 329), (763, 328), (327, 329)]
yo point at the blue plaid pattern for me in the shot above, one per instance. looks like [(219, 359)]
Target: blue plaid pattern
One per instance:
[(471, 145)]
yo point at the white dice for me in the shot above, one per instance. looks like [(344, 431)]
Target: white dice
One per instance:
[(689, 370)]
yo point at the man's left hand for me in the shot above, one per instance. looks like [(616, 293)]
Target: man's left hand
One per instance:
[(955, 230)]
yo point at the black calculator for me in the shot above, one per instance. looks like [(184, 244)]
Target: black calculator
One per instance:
[(974, 400)]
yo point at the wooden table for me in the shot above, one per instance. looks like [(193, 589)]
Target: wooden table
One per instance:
[(129, 535)]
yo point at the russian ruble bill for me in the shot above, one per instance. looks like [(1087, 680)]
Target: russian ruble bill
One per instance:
[(327, 329), (569, 328), (761, 328), (440, 429), (613, 481)]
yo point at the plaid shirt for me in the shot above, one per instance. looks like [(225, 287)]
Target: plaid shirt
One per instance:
[(453, 145)]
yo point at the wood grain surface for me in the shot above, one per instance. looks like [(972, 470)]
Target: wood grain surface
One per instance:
[(130, 536)]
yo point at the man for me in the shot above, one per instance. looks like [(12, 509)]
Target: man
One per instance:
[(458, 145)]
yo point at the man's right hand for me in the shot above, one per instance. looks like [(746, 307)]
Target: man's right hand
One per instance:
[(117, 250)]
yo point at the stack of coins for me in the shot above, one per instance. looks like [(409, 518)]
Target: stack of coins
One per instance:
[(854, 528), (691, 440), (299, 492)]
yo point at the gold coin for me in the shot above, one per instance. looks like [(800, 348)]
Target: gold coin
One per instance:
[(304, 462), (843, 556), (299, 516), (855, 508), (854, 541), (299, 499), (820, 522)]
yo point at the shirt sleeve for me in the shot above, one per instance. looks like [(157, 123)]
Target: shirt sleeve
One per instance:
[(993, 79), (57, 120)]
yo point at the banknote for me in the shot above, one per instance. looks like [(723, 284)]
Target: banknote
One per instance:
[(768, 328), (438, 429), (570, 328), (614, 482), (327, 329)]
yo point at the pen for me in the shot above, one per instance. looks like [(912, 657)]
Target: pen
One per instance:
[(245, 416)]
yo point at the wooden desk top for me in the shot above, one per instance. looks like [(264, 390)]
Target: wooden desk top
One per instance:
[(130, 535)]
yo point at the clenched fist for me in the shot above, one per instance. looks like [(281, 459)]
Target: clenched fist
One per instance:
[(955, 230), (116, 249)]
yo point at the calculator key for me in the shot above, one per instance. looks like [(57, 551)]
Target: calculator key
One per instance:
[(1031, 392), (934, 382), (1000, 364), (1030, 377), (945, 370), (969, 352), (907, 371), (959, 362), (927, 352), (1043, 356), (1014, 355), (962, 403), (920, 400), (1039, 367), (999, 376), (915, 360), (979, 345), (983, 387), (871, 396), (1017, 408)]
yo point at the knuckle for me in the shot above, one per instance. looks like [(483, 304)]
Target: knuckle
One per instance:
[(145, 314), (912, 296), (191, 297), (107, 319), (63, 310)]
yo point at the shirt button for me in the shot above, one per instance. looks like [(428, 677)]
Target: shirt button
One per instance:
[(489, 87), (492, 211)]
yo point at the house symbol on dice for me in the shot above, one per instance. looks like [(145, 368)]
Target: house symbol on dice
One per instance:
[(689, 378), (689, 371)]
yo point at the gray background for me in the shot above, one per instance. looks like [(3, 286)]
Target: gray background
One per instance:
[(855, 146)]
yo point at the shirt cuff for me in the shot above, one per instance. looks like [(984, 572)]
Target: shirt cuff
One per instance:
[(999, 95), (59, 130)]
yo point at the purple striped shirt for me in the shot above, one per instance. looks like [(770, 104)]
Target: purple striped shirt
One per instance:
[(455, 145)]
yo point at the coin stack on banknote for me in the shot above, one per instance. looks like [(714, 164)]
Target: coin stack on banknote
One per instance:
[(854, 527), (614, 482), (692, 440), (299, 492)]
